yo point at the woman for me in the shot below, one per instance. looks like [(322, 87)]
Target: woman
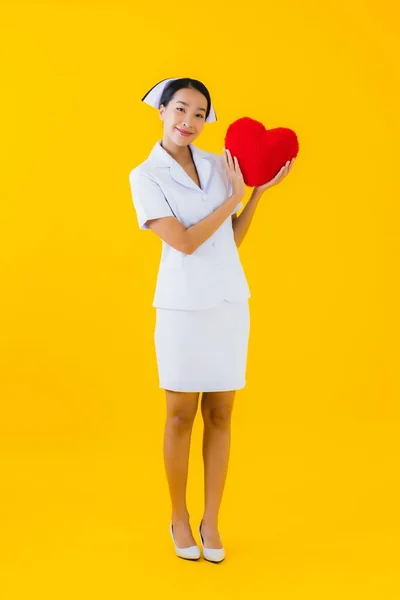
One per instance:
[(189, 198)]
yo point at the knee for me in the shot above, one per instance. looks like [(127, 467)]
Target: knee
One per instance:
[(180, 422), (218, 417)]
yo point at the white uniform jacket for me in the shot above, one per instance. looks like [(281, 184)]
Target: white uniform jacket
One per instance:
[(213, 273)]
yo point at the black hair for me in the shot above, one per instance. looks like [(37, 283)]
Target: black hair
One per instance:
[(185, 82)]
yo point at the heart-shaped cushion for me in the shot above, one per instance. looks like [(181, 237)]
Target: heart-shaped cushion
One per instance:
[(261, 152)]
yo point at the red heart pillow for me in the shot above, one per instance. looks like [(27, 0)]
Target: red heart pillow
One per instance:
[(261, 152)]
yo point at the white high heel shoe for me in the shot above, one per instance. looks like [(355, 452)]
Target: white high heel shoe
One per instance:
[(189, 553), (215, 555)]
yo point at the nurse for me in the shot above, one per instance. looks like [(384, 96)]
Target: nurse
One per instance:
[(190, 198)]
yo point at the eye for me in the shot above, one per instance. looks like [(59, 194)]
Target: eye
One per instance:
[(198, 115)]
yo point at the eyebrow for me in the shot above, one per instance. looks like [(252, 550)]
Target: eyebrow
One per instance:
[(186, 104)]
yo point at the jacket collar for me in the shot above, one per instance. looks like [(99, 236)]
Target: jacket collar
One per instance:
[(161, 159)]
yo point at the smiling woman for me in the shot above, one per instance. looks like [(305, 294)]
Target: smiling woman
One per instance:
[(184, 111), (188, 196)]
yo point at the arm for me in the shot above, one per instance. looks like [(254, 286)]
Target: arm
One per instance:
[(241, 223), (188, 240)]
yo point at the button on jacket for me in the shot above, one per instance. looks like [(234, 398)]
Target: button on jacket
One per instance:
[(213, 273)]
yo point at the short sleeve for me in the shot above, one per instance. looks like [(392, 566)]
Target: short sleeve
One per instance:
[(148, 199)]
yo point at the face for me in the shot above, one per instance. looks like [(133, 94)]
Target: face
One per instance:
[(186, 111)]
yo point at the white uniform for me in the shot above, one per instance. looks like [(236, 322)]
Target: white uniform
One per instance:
[(201, 299)]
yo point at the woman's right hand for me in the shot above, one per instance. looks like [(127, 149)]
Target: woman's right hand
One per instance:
[(235, 174)]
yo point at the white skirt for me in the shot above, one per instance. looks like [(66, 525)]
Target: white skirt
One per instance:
[(203, 350)]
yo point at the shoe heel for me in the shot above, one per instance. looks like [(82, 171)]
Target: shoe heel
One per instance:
[(215, 555), (189, 553)]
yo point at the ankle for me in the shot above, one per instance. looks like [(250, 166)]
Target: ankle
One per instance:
[(211, 522), (180, 517)]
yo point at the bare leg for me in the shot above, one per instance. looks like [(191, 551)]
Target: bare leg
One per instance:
[(181, 412), (216, 409)]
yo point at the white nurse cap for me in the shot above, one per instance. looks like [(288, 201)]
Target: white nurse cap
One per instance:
[(153, 97)]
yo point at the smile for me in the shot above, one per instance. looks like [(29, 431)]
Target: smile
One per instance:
[(183, 133)]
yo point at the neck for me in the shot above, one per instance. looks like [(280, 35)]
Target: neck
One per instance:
[(181, 154)]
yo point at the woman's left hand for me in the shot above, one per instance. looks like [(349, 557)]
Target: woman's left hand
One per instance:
[(284, 171)]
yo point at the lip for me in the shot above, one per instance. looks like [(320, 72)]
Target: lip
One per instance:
[(185, 133)]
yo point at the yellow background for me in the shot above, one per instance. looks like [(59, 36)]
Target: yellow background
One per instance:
[(311, 502)]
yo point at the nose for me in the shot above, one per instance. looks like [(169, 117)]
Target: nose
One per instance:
[(187, 123)]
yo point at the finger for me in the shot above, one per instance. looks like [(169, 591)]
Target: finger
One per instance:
[(280, 172), (237, 166), (228, 157), (287, 169)]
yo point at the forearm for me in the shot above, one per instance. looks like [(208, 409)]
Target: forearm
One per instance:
[(241, 224), (204, 229)]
